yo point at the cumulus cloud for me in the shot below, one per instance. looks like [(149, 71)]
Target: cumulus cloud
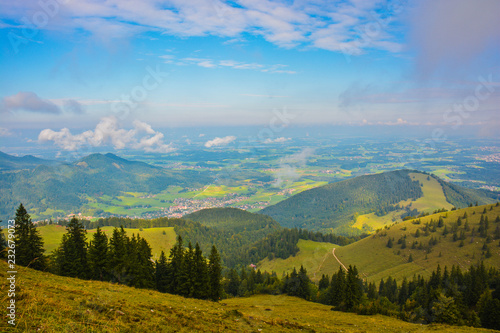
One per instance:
[(220, 141), (108, 132), (28, 101), (277, 140)]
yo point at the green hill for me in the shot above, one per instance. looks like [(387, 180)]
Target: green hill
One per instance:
[(48, 188), (51, 303), (10, 162), (376, 200), (232, 219), (461, 242)]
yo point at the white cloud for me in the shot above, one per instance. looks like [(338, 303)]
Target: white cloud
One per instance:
[(28, 101), (290, 164), (5, 132), (331, 25), (277, 140), (108, 132), (220, 141)]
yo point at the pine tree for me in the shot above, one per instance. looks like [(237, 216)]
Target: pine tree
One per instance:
[(233, 282), (161, 273), (72, 253), (353, 291), (3, 245), (201, 282), (214, 275), (337, 288), (118, 252), (29, 243), (187, 274), (98, 255), (324, 282), (304, 284), (175, 267)]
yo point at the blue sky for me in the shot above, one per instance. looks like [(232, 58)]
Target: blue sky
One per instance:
[(93, 71)]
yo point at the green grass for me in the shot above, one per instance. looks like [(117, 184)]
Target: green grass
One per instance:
[(52, 235), (50, 303), (316, 257), (375, 260)]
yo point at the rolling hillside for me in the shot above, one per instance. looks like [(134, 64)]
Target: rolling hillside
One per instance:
[(51, 303), (368, 202), (48, 188), (160, 239), (232, 219), (461, 242)]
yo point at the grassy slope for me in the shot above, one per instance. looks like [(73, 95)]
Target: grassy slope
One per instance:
[(375, 261), (314, 256), (52, 235), (49, 303), (433, 198)]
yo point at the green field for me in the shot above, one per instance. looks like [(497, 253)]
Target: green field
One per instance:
[(51, 303), (52, 235)]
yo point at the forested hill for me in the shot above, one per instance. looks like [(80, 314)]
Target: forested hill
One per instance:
[(335, 206), (10, 162), (67, 186), (233, 219)]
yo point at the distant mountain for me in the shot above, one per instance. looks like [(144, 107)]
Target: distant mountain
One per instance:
[(68, 186), (233, 219), (337, 206), (10, 162)]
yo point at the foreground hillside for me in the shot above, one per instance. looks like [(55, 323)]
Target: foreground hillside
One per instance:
[(49, 303), (371, 201)]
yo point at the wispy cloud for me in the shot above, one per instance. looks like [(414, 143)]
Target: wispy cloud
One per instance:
[(108, 132), (211, 63), (330, 25), (220, 141), (277, 140), (5, 132)]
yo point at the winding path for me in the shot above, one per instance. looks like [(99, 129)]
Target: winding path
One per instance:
[(341, 264)]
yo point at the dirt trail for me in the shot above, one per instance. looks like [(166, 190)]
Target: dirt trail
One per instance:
[(341, 264)]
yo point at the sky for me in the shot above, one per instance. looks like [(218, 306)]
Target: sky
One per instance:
[(121, 73)]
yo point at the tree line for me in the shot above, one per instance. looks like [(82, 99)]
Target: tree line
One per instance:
[(121, 259)]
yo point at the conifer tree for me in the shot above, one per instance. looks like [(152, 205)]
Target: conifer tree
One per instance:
[(201, 280), (98, 255), (304, 289), (161, 273), (72, 253), (337, 288), (29, 243), (214, 275), (118, 252), (3, 245), (175, 266), (353, 291), (233, 282), (187, 274), (324, 282)]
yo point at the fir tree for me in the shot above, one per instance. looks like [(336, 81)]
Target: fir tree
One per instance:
[(3, 245), (304, 284), (29, 243), (72, 254), (324, 282), (353, 292), (98, 255), (118, 252), (175, 267), (201, 281), (214, 275), (161, 273)]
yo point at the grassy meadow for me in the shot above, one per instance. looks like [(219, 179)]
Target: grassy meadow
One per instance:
[(50, 303)]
